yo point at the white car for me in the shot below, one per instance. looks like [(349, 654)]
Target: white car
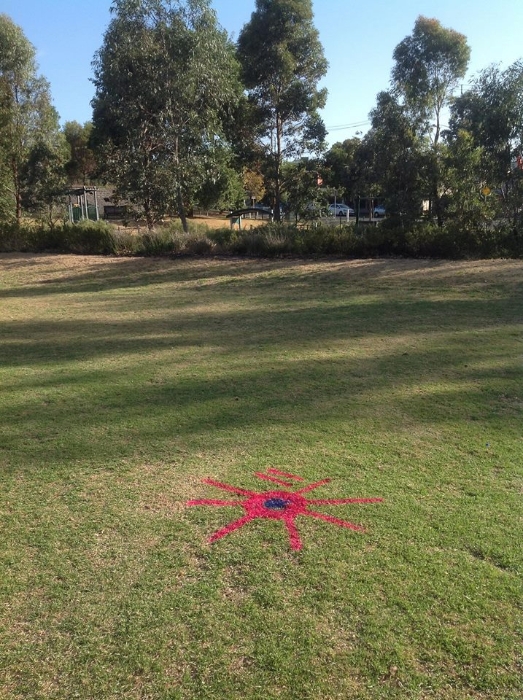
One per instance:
[(379, 211), (340, 210)]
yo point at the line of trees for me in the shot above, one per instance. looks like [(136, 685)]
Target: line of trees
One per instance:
[(180, 113), (38, 159), (183, 117), (468, 172)]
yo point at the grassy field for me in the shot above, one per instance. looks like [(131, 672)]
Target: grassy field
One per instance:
[(126, 382)]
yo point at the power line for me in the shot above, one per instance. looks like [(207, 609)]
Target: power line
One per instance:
[(341, 127)]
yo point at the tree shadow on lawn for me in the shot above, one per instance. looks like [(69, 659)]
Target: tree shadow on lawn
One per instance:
[(109, 412), (320, 325), (40, 275), (281, 354), (46, 275)]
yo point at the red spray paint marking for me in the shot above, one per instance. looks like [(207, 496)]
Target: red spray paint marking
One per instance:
[(286, 474), (278, 505), (268, 477)]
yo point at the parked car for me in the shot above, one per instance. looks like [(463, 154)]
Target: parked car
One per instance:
[(340, 210), (379, 211), (314, 210)]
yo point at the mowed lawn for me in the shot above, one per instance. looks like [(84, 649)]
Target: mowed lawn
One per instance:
[(126, 382)]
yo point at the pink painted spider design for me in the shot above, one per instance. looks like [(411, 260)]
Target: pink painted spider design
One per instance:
[(278, 505)]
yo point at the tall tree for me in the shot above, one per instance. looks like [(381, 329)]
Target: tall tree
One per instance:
[(27, 118), (428, 67), (303, 193), (44, 177), (222, 187), (282, 63), (463, 181), (166, 79), (253, 185), (393, 159)]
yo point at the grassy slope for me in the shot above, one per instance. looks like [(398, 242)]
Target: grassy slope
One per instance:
[(125, 382)]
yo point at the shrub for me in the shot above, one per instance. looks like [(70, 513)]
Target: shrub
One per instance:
[(126, 243), (195, 228), (456, 239), (86, 237), (198, 244), (161, 242), (270, 240), (223, 237), (15, 238)]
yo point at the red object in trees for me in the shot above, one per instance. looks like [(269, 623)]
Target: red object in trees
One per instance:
[(278, 505)]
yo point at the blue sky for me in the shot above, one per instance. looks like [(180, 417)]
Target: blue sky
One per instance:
[(358, 38)]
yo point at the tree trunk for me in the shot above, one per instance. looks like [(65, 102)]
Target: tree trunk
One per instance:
[(436, 178), (17, 191), (277, 189), (181, 211), (436, 202), (148, 215)]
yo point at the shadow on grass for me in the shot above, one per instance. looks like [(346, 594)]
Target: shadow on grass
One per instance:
[(106, 413), (33, 342), (115, 273), (260, 345), (42, 275)]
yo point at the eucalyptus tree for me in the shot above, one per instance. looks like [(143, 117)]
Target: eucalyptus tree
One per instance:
[(491, 113), (222, 188), (28, 121), (464, 180), (282, 63), (166, 82), (429, 65), (304, 193), (44, 176), (393, 160)]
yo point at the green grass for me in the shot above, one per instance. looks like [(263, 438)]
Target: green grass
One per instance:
[(125, 382)]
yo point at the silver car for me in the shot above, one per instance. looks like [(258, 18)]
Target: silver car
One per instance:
[(340, 210)]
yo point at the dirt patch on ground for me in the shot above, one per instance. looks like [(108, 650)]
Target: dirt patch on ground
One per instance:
[(220, 222), (212, 222)]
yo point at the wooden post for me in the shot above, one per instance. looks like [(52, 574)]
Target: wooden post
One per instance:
[(96, 205)]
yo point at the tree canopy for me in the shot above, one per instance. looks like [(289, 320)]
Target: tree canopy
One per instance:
[(490, 112), (81, 166), (166, 81), (282, 63), (28, 121), (184, 118), (429, 64)]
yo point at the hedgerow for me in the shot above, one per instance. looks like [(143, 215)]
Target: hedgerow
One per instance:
[(422, 240)]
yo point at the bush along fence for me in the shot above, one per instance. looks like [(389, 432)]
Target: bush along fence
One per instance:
[(423, 240)]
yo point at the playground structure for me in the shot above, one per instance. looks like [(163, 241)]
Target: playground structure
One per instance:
[(86, 206)]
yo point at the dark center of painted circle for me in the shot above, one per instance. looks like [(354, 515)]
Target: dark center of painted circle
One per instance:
[(276, 503)]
